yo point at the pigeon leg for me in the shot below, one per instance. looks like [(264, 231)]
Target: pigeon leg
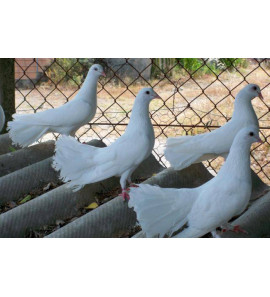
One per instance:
[(131, 184), (123, 182), (215, 234)]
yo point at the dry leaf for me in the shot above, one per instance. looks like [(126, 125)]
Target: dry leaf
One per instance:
[(92, 205), (46, 188), (25, 199), (11, 204)]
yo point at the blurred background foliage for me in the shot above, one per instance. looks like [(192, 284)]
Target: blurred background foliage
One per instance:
[(173, 67), (196, 66), (69, 70)]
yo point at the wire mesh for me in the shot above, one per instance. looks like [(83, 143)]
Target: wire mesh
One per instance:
[(197, 95)]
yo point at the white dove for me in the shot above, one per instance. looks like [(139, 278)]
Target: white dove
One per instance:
[(2, 118), (83, 164), (163, 211), (183, 151), (66, 119)]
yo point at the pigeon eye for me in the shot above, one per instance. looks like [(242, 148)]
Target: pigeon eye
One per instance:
[(254, 88), (95, 69), (251, 134), (147, 92)]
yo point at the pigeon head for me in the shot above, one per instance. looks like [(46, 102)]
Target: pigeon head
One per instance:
[(249, 135), (97, 70), (148, 94), (251, 91)]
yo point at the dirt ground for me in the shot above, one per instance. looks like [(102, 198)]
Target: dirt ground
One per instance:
[(211, 107)]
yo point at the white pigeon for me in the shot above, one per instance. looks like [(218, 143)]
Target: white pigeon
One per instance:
[(2, 118), (83, 164), (66, 119), (183, 151), (162, 211)]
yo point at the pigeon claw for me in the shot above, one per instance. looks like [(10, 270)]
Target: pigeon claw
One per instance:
[(238, 229), (132, 185), (125, 195)]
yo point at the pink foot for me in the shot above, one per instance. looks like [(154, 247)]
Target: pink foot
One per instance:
[(125, 195), (238, 229)]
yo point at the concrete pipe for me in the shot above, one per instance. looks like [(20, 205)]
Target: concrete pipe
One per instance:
[(256, 220), (13, 161), (110, 219), (62, 203), (6, 145), (259, 188), (258, 199), (21, 182)]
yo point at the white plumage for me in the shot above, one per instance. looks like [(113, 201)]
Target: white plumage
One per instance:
[(66, 119), (2, 118), (83, 164), (163, 211), (183, 151)]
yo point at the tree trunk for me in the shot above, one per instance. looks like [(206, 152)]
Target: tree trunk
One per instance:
[(7, 88)]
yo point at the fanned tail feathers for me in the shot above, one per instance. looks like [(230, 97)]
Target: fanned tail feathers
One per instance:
[(161, 211), (71, 158), (80, 164)]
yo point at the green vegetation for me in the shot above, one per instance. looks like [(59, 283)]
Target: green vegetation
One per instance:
[(77, 69), (195, 66), (230, 63)]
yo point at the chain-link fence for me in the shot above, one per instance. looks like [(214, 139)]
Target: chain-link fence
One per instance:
[(197, 95)]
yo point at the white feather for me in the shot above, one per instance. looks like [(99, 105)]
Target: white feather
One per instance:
[(161, 211), (66, 119), (82, 164), (183, 151), (164, 211)]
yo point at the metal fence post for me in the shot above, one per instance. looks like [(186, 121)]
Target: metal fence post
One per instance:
[(7, 87)]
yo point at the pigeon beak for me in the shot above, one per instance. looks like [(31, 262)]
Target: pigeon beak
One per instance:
[(157, 96), (260, 96), (259, 140), (103, 74)]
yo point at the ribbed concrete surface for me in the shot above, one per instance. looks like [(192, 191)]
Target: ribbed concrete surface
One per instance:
[(13, 161), (115, 216), (60, 203), (28, 169)]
